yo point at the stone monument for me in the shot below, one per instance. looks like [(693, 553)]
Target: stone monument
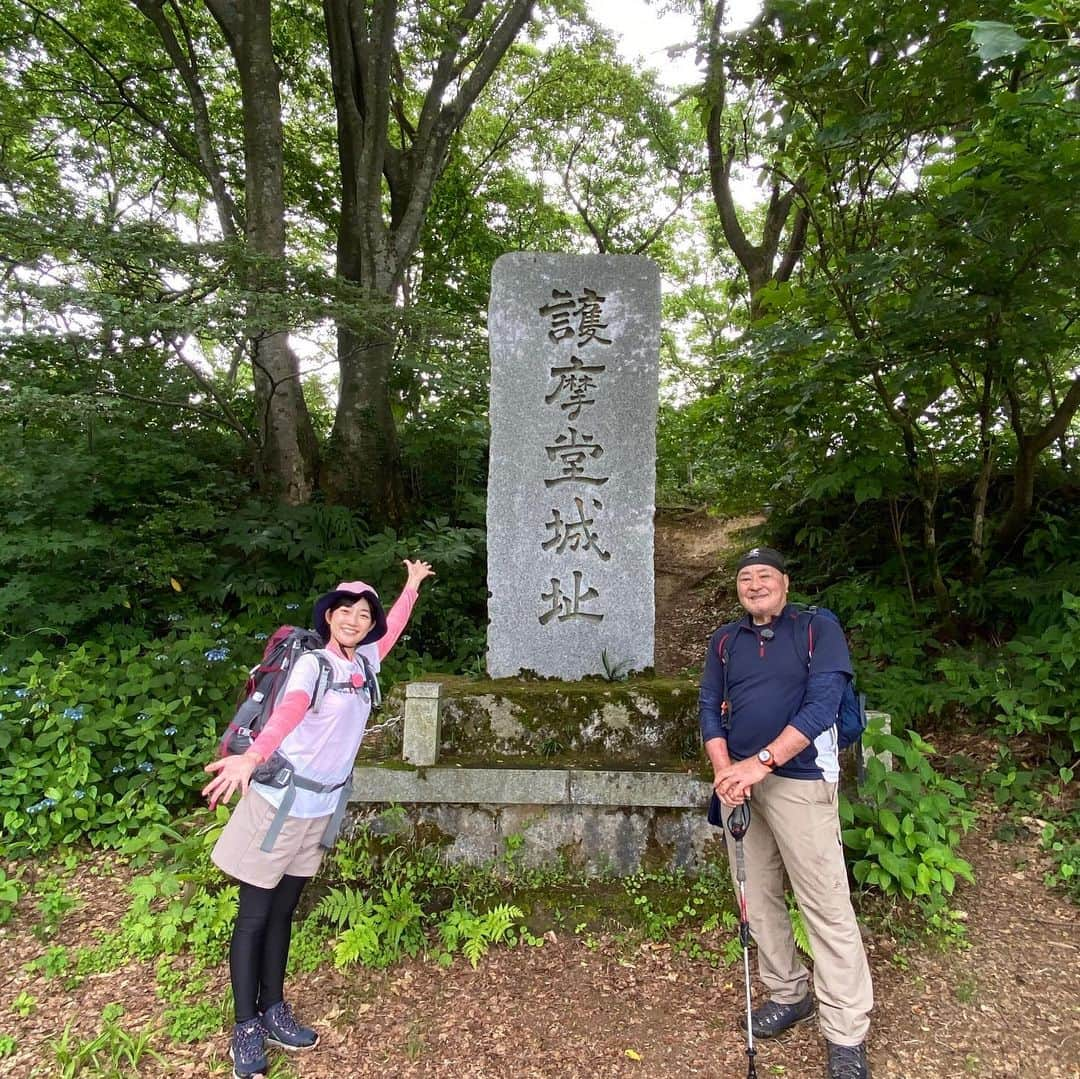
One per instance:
[(575, 343)]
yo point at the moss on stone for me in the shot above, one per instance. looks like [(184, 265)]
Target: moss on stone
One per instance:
[(602, 723)]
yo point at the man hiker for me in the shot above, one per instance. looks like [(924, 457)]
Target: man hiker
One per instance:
[(768, 706)]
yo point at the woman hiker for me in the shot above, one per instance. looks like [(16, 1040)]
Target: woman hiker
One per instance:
[(321, 745)]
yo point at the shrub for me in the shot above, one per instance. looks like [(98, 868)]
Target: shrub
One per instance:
[(904, 827)]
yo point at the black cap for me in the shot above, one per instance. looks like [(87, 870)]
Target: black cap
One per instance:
[(762, 556)]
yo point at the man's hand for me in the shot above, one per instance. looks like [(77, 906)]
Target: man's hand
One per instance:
[(732, 784)]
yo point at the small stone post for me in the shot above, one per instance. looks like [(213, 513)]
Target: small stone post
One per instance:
[(423, 723), (885, 721)]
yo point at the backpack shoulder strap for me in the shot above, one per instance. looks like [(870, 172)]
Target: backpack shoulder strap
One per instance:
[(807, 615), (322, 683), (722, 652)]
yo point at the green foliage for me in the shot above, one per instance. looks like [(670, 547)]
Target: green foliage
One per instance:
[(686, 910), (798, 928), (168, 915), (1028, 687), (25, 1004), (1033, 794), (101, 740), (53, 903), (10, 890), (109, 954), (1062, 842), (375, 932), (615, 670), (473, 934), (54, 961), (194, 1022), (113, 1051), (905, 825), (378, 932)]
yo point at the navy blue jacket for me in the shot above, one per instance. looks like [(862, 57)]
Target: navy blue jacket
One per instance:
[(771, 685)]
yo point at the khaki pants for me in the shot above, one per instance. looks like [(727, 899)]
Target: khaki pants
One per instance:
[(794, 825)]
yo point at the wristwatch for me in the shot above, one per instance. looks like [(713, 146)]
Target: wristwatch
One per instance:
[(766, 758)]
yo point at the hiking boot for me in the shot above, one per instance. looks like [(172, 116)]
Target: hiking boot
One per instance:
[(284, 1031), (247, 1049), (773, 1018), (847, 1062)]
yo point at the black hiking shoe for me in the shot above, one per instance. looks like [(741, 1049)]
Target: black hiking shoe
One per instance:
[(247, 1049), (284, 1031), (847, 1062), (772, 1018)]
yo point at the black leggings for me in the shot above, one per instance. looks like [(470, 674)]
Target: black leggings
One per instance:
[(260, 945)]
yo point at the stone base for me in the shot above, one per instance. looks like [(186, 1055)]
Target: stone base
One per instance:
[(595, 839), (598, 821)]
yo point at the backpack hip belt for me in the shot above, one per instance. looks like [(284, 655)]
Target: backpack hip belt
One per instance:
[(290, 786)]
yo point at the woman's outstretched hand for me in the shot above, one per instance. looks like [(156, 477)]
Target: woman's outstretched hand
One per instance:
[(418, 571), (231, 773)]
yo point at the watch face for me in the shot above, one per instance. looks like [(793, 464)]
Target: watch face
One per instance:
[(764, 756)]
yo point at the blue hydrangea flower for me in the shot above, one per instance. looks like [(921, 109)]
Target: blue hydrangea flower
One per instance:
[(216, 655), (37, 807), (74, 714), (175, 617), (22, 693), (146, 767), (292, 606), (170, 730), (142, 717), (215, 625), (260, 636), (117, 769), (161, 657), (3, 668), (78, 795)]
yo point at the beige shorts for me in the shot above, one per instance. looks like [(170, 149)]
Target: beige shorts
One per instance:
[(296, 852)]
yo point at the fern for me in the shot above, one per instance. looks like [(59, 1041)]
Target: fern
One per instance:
[(359, 944), (343, 907), (798, 929), (475, 933)]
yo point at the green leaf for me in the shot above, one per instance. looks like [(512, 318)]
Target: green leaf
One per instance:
[(994, 40), (889, 822)]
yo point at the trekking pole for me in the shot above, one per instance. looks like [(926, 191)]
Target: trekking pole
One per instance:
[(738, 822)]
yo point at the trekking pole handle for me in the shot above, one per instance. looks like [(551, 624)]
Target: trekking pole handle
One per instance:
[(738, 820)]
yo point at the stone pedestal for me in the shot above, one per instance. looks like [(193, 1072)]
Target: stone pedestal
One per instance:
[(423, 723), (574, 379)]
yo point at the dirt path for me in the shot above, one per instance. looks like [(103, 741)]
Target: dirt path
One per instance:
[(1008, 1005), (692, 595)]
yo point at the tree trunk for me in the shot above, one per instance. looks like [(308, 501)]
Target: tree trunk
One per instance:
[(982, 481), (927, 483), (287, 445), (365, 432), (387, 180), (1028, 449), (759, 261)]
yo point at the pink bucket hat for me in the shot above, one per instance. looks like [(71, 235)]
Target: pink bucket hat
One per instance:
[(351, 591)]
